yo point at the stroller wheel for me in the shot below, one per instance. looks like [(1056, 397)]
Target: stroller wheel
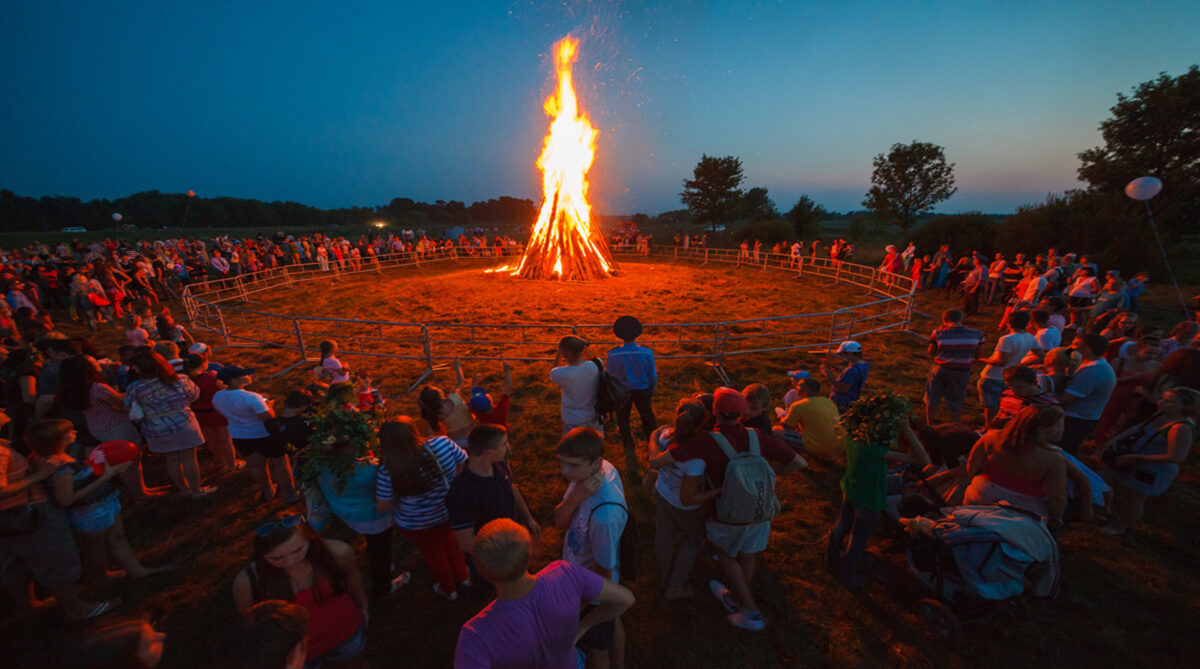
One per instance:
[(940, 620)]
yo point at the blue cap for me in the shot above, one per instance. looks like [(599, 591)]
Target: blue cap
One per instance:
[(798, 375), (480, 402)]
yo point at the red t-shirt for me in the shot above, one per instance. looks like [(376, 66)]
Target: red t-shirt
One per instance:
[(703, 446), (497, 416), (203, 407)]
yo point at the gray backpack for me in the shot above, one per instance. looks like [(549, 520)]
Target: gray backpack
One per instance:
[(748, 495)]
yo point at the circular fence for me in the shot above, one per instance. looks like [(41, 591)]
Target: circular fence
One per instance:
[(220, 309)]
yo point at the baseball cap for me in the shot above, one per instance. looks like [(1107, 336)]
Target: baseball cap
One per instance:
[(480, 402), (231, 372), (198, 348), (728, 400), (849, 346), (798, 375)]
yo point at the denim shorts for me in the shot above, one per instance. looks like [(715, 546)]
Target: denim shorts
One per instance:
[(97, 516), (348, 649), (989, 392)]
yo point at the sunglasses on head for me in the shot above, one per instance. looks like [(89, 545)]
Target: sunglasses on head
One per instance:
[(288, 521)]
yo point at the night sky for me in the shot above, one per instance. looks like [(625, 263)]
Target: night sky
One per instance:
[(354, 103)]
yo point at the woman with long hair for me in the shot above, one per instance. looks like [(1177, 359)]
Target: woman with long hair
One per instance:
[(293, 563), (82, 388), (413, 480), (168, 423), (1021, 465), (18, 375), (674, 519), (1150, 462)]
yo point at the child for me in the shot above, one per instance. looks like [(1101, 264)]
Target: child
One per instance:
[(136, 334), (330, 367), (483, 492), (91, 501), (673, 518), (446, 414), (579, 379), (758, 399), (864, 492), (593, 513), (847, 385), (1023, 390), (488, 412)]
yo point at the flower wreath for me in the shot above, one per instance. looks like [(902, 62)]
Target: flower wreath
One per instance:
[(341, 438)]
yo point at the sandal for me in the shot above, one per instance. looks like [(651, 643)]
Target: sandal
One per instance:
[(399, 582)]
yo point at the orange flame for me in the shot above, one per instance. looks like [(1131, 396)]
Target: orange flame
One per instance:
[(564, 243)]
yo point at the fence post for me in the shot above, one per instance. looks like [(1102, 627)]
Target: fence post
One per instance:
[(241, 288), (224, 329), (287, 276), (299, 340), (871, 288)]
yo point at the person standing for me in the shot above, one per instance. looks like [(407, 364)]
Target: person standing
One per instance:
[(579, 379), (1011, 349), (246, 412), (848, 384), (634, 366), (953, 347), (168, 424)]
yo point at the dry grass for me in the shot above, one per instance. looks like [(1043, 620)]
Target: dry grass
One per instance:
[(1124, 601)]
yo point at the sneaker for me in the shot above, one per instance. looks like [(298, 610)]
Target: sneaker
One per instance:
[(722, 594), (399, 582), (437, 589), (748, 621), (204, 491)]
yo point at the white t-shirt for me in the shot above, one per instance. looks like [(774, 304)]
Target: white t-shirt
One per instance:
[(670, 478), (579, 385), (1017, 345), (333, 367), (241, 409), (1034, 290), (594, 539)]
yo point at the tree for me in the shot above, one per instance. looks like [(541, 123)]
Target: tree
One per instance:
[(713, 195), (1153, 132), (909, 181), (806, 217), (757, 205)]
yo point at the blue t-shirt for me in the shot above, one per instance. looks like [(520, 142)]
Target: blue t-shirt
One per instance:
[(1093, 383), (854, 376), (356, 500), (421, 512)]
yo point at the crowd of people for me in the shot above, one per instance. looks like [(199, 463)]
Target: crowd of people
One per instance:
[(1086, 412)]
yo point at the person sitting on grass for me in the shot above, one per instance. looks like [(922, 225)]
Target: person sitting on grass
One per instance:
[(534, 622), (91, 501), (1151, 462), (593, 514), (811, 423), (864, 494), (673, 518), (1021, 466), (293, 563), (272, 634), (737, 542), (484, 492), (246, 412), (484, 409), (758, 401)]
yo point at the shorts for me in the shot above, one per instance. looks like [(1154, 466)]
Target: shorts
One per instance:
[(989, 392), (267, 447), (949, 384), (97, 516), (48, 553), (737, 539), (598, 637), (1080, 302), (347, 650)]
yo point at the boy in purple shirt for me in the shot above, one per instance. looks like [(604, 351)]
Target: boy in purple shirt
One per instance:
[(535, 619)]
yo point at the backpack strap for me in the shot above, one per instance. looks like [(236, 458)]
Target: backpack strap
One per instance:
[(593, 511), (726, 447), (754, 447), (599, 365)]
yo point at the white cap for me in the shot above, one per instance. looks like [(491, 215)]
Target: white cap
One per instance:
[(198, 348), (849, 346)]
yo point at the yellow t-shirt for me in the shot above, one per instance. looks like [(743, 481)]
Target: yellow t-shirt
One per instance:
[(817, 419)]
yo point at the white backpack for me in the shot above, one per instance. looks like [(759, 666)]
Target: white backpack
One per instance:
[(748, 495)]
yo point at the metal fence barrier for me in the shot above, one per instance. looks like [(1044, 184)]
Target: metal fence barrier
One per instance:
[(218, 308)]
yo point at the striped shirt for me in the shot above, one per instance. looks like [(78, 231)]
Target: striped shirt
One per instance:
[(421, 512), (954, 347)]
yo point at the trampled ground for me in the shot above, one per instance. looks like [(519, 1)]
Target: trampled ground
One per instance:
[(1124, 601)]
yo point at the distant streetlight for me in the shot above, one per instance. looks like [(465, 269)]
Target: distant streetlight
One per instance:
[(191, 194), (379, 224), (1142, 189), (117, 217)]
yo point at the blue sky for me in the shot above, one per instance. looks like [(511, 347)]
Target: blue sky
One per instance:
[(354, 103)]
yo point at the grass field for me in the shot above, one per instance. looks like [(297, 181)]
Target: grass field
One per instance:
[(1125, 601)]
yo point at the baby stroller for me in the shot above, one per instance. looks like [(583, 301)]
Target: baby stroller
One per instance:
[(980, 561)]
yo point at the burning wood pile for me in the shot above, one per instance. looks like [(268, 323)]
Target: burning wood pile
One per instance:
[(565, 243)]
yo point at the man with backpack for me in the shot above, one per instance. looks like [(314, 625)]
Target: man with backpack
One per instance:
[(594, 514), (740, 469)]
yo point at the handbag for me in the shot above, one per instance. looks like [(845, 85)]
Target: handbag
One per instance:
[(23, 520)]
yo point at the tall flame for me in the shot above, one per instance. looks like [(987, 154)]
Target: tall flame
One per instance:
[(564, 243)]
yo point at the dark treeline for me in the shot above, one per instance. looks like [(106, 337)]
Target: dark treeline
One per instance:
[(152, 209)]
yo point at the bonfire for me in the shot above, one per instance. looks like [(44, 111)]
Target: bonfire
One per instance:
[(565, 243)]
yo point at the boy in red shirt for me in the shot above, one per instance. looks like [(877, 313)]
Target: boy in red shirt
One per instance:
[(483, 409)]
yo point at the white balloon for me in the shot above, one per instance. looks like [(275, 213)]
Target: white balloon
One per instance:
[(1143, 188), (117, 217)]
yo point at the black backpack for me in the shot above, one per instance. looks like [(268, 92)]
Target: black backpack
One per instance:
[(630, 546), (611, 394)]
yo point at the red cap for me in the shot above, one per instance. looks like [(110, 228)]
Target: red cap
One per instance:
[(728, 400)]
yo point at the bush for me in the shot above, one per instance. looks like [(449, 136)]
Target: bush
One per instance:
[(770, 231), (963, 232)]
